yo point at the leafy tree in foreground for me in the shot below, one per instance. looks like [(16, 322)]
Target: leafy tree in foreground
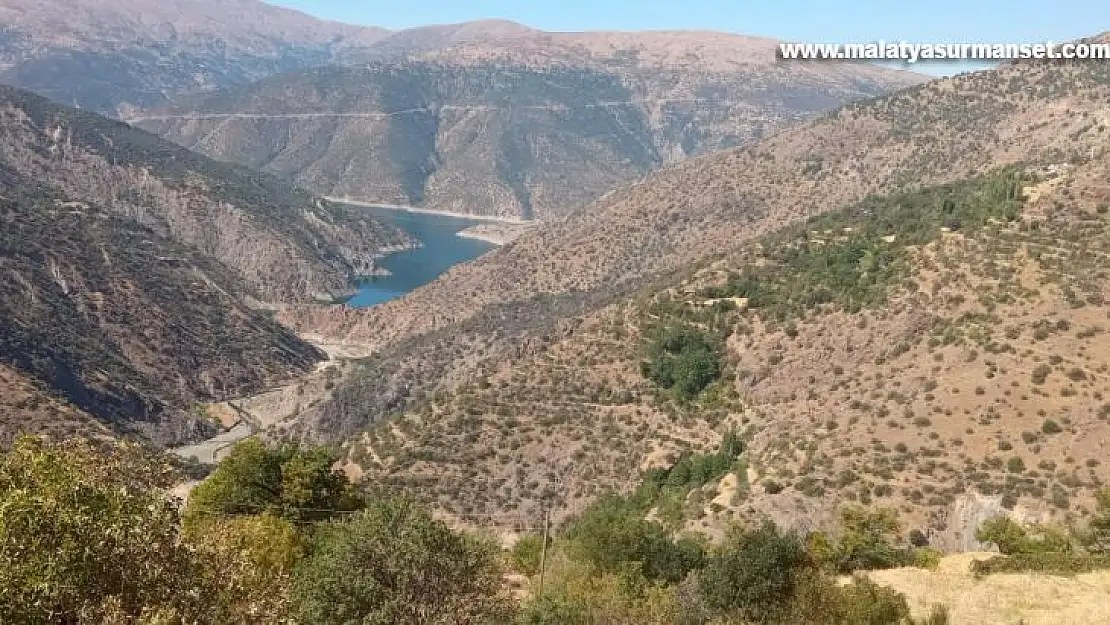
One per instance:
[(287, 481), (611, 534), (394, 563), (87, 535), (867, 540), (754, 575)]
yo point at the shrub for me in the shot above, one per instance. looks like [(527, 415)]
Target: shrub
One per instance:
[(394, 563), (288, 481), (927, 558), (554, 611), (1042, 563), (611, 533), (867, 540), (525, 554), (1040, 373), (772, 487), (1051, 427), (1012, 538), (918, 539), (754, 575), (1004, 533), (867, 603), (682, 359)]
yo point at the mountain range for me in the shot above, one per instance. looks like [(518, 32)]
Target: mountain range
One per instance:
[(487, 117), (495, 136)]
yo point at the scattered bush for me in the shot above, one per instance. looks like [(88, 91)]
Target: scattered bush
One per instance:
[(682, 359), (1051, 427)]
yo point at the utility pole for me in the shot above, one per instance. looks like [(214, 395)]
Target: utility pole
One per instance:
[(543, 551)]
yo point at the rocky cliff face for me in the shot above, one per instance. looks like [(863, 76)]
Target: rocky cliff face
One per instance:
[(285, 244), (498, 137)]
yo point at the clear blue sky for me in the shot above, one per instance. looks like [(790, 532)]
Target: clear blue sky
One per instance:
[(803, 20)]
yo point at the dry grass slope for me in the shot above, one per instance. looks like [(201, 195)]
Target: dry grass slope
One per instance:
[(1002, 599)]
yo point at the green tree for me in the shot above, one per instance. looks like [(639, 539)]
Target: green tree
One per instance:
[(610, 533), (288, 481), (867, 540), (252, 558), (1003, 532), (88, 534), (1011, 538), (394, 563), (754, 575), (683, 359)]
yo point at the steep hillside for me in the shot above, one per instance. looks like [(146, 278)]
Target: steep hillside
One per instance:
[(504, 138), (123, 323), (285, 244), (117, 57), (26, 407), (114, 56), (937, 346)]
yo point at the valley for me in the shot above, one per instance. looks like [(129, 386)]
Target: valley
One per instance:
[(312, 322)]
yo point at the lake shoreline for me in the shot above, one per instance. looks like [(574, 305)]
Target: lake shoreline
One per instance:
[(440, 248), (498, 233), (429, 211)]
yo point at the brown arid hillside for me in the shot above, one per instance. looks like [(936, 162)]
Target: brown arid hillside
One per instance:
[(134, 274), (506, 135), (931, 339), (122, 323), (286, 245), (25, 407), (114, 56)]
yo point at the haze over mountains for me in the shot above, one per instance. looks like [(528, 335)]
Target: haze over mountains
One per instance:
[(532, 126)]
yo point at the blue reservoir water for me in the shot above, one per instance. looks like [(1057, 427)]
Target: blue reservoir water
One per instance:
[(442, 249)]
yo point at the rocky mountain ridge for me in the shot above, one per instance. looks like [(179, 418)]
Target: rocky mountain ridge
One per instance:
[(502, 137), (117, 57), (134, 273)]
